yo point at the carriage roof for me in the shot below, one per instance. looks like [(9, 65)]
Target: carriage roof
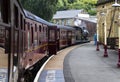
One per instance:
[(66, 27), (36, 18)]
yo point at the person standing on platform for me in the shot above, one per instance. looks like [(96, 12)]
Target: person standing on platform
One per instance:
[(95, 39)]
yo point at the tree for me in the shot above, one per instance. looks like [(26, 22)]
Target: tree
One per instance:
[(42, 8), (87, 5), (47, 8), (71, 1)]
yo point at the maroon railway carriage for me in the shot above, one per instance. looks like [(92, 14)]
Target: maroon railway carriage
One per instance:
[(40, 39), (24, 37), (28, 40), (52, 39), (11, 36), (36, 39), (17, 41), (65, 36)]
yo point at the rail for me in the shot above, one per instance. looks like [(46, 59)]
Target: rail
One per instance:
[(39, 72)]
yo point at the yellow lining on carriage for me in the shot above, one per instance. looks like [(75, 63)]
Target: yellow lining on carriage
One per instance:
[(36, 47)]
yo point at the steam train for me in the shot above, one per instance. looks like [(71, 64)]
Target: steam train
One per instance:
[(29, 40)]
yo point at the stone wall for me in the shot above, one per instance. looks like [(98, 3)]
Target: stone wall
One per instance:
[(107, 16)]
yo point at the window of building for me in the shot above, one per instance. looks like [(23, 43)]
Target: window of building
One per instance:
[(62, 21)]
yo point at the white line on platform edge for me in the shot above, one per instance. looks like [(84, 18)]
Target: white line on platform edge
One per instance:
[(39, 72)]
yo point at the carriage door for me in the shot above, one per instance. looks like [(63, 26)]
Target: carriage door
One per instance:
[(5, 32), (52, 46)]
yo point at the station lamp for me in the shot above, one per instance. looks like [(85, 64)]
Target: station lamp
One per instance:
[(101, 14), (116, 4)]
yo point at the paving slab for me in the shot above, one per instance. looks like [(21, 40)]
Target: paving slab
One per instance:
[(85, 64), (52, 76), (3, 75)]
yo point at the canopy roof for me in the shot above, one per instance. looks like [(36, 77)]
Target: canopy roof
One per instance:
[(100, 2)]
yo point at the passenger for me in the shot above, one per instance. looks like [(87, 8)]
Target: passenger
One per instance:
[(95, 39)]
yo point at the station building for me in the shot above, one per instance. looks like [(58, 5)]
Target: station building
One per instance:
[(107, 22), (108, 25)]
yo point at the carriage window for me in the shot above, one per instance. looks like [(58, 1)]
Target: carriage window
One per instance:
[(40, 28), (16, 42), (0, 10), (25, 41), (58, 35), (46, 32), (21, 21), (24, 24), (43, 29), (2, 35), (21, 42), (32, 33), (35, 39), (4, 11), (52, 35), (28, 26), (35, 27), (41, 34), (69, 35), (28, 39), (16, 16)]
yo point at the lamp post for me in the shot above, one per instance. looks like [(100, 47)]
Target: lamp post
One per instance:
[(118, 5), (100, 14), (105, 37)]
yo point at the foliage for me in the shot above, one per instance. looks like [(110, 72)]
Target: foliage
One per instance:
[(87, 5), (46, 8), (42, 8), (71, 1), (92, 12)]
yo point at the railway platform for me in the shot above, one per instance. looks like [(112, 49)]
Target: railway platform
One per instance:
[(82, 63)]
